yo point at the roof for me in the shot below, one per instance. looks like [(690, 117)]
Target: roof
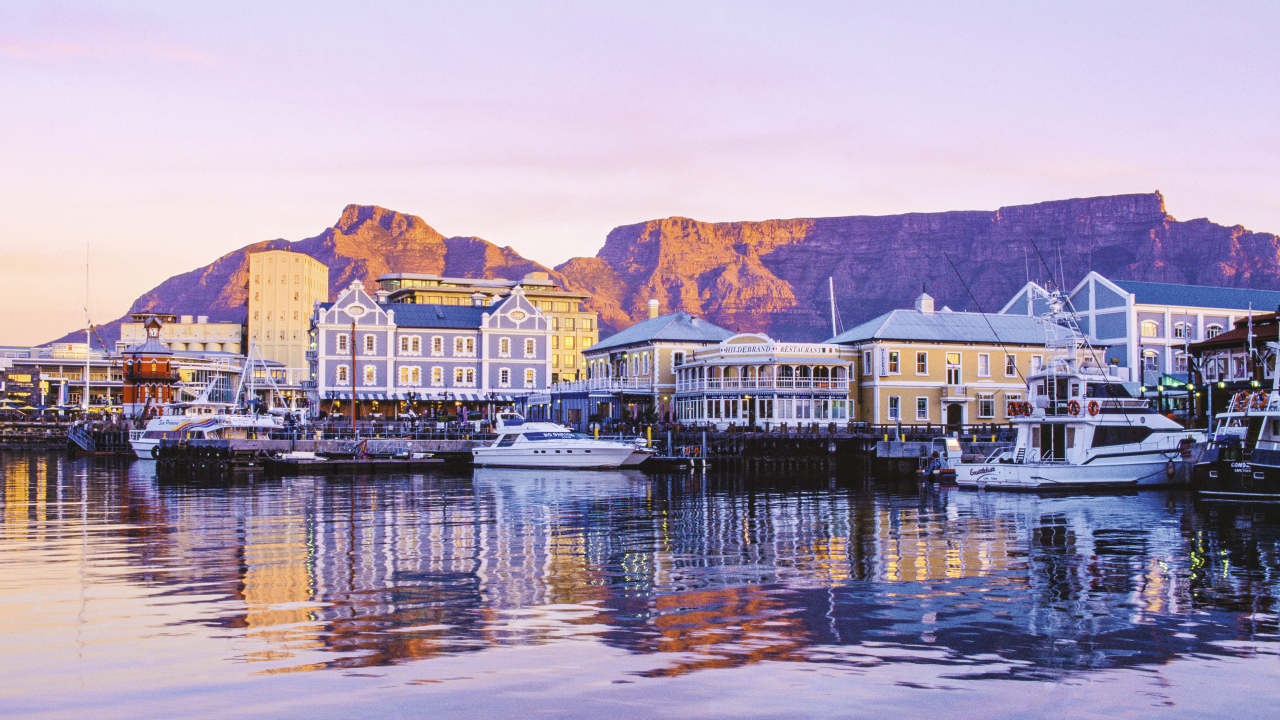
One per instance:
[(1264, 329), (951, 327), (458, 317), (151, 347), (677, 326), (1200, 296)]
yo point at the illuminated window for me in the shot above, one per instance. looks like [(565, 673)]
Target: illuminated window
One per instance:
[(1150, 329)]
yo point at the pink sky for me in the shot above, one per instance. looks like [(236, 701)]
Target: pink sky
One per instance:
[(167, 134)]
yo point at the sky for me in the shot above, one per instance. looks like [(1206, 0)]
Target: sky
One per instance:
[(140, 140)]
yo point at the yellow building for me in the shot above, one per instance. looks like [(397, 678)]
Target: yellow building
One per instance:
[(573, 327), (921, 367), (283, 289), (183, 333)]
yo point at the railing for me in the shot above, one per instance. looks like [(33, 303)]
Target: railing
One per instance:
[(80, 436), (608, 384), (762, 384)]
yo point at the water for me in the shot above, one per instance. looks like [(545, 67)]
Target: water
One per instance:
[(594, 594)]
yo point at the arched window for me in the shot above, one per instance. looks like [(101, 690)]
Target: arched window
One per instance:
[(1179, 330), (1212, 331), (1150, 329)]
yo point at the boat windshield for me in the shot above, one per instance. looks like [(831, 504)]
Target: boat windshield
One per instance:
[(544, 436)]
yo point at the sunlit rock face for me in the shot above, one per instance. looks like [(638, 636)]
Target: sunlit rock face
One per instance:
[(771, 276)]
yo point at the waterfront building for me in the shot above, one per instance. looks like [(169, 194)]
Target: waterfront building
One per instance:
[(183, 333), (751, 379), (394, 358), (149, 375), (927, 367), (632, 374), (53, 376), (1147, 326), (1239, 359), (284, 288), (573, 327)]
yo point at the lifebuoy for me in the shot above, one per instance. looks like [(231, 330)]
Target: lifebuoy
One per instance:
[(1259, 400), (1073, 407), (1027, 408), (1094, 407), (155, 452), (1241, 400)]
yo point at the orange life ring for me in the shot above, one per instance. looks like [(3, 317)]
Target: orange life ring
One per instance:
[(1259, 400), (1240, 401), (1094, 407), (1073, 407)]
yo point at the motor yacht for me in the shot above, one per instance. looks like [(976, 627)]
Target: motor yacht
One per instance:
[(528, 443), (1083, 428), (1243, 458)]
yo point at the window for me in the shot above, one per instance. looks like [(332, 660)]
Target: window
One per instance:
[(528, 377), (986, 406), (586, 324), (922, 363), (471, 376), (1180, 362), (895, 410), (922, 408), (437, 345), (1010, 365), (1150, 329), (504, 347), (1036, 361), (370, 344), (410, 345), (1179, 330), (568, 323), (568, 342), (893, 362), (1212, 331), (644, 363), (529, 348), (984, 365), (437, 376), (569, 361), (555, 323), (953, 368), (457, 376), (370, 375), (677, 359), (555, 361), (504, 377), (342, 343), (1151, 361), (410, 375), (555, 342), (464, 346)]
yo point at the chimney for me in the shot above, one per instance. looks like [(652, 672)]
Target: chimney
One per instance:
[(382, 296), (924, 304), (477, 300), (653, 309), (202, 319)]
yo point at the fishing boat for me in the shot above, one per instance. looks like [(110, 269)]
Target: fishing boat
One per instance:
[(1243, 458), (1082, 427), (525, 443)]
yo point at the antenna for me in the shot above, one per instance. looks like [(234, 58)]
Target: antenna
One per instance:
[(831, 288)]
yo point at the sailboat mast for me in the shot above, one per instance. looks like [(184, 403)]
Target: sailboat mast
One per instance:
[(88, 327), (831, 290)]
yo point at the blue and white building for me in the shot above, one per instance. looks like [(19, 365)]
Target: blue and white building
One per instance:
[(396, 358), (1147, 326)]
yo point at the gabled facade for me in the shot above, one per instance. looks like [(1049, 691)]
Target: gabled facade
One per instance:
[(396, 358), (1148, 326)]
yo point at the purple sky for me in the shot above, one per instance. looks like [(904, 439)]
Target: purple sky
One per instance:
[(167, 134)]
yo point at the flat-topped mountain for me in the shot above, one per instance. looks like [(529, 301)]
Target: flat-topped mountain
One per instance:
[(772, 276)]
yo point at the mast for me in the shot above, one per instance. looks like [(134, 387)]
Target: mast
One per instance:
[(353, 374), (88, 327), (831, 289)]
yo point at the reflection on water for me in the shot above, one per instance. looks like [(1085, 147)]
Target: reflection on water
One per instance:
[(107, 574)]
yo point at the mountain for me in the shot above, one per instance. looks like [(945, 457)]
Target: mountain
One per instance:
[(366, 242), (772, 276)]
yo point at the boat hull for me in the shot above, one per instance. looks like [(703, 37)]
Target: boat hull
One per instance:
[(577, 457), (1240, 479), (1142, 471)]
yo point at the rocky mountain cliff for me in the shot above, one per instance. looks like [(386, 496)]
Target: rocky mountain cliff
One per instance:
[(771, 276)]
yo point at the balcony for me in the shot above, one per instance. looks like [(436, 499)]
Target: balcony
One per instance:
[(637, 385), (763, 384)]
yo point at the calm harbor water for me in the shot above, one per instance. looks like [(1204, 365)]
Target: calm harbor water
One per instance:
[(597, 594)]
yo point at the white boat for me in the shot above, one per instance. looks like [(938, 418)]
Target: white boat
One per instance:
[(200, 422), (1083, 428), (525, 443)]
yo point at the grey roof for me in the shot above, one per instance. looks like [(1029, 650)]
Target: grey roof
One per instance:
[(449, 317), (152, 346), (951, 327), (677, 326), (1201, 296)]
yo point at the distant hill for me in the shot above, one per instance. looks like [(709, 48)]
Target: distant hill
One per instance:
[(771, 276)]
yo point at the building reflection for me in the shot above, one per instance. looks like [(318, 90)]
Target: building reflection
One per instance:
[(697, 573)]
